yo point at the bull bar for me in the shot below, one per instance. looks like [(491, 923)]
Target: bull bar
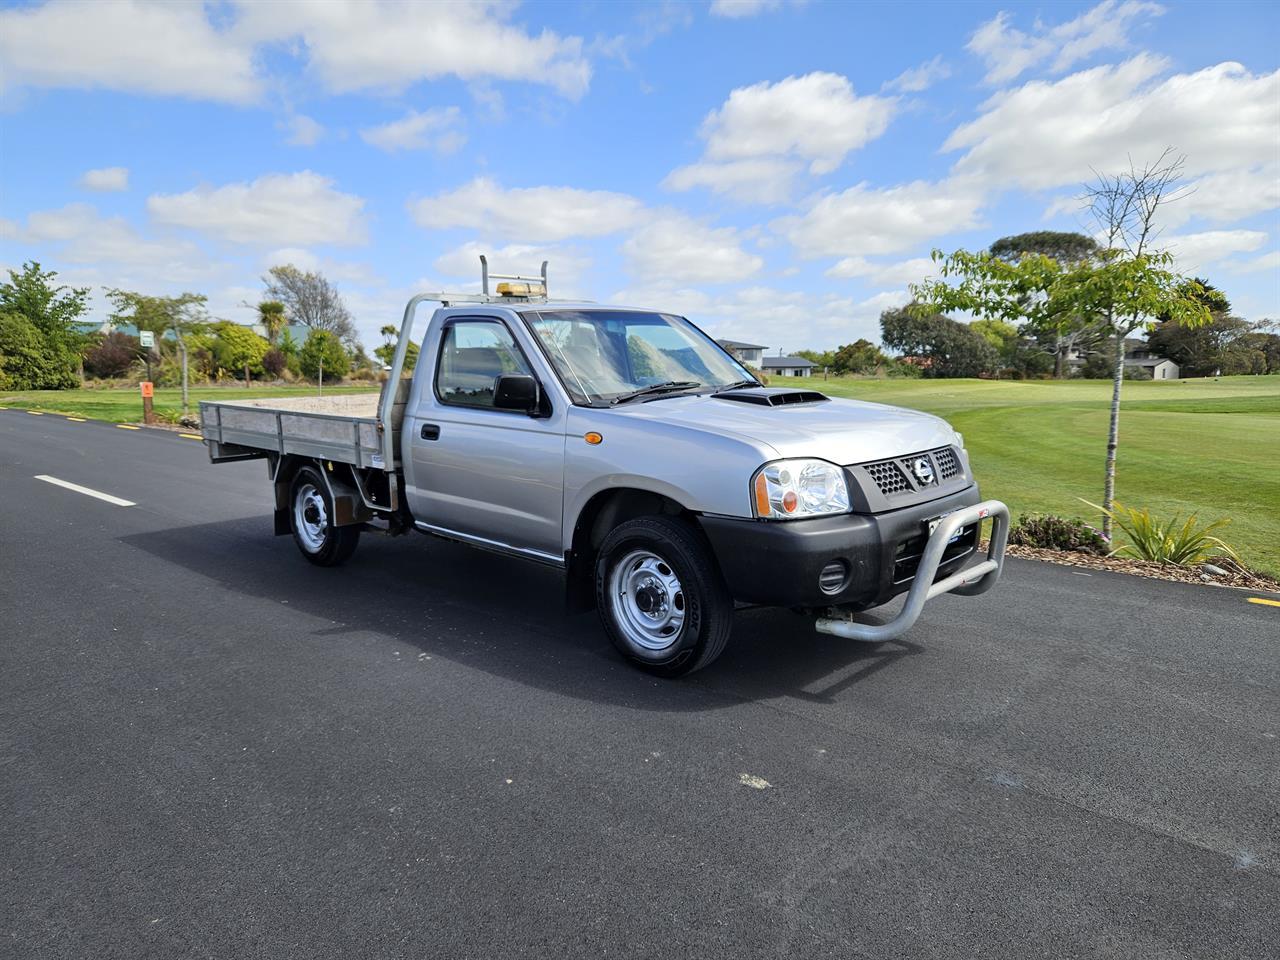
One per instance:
[(969, 582)]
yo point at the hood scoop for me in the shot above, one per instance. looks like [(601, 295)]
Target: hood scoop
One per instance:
[(780, 397)]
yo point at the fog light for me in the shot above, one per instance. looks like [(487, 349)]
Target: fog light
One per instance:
[(833, 577)]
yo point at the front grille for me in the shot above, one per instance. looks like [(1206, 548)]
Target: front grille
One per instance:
[(888, 477), (945, 460), (897, 476)]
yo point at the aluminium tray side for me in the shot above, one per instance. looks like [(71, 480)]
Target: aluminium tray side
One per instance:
[(327, 436)]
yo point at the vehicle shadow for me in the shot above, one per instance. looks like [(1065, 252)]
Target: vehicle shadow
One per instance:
[(506, 617)]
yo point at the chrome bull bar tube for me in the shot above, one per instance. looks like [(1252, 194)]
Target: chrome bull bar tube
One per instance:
[(969, 582)]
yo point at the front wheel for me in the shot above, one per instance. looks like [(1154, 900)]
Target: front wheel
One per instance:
[(311, 519), (661, 597)]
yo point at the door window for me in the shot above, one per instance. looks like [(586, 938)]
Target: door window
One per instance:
[(473, 354)]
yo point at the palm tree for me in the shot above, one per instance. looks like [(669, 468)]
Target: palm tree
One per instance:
[(271, 316)]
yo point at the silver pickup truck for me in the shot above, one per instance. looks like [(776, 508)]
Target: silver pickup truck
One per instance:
[(628, 449)]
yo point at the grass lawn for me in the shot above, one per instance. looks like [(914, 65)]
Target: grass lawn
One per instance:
[(125, 405), (1211, 447)]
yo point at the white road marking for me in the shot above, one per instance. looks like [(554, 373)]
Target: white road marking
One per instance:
[(86, 491)]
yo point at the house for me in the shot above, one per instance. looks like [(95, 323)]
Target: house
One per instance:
[(787, 366), (749, 353), (1137, 353), (1158, 367)]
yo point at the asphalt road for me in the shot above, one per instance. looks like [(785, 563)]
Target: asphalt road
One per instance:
[(210, 748)]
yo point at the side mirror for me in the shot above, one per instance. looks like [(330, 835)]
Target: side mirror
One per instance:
[(515, 391)]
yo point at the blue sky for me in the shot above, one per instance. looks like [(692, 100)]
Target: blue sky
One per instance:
[(778, 171)]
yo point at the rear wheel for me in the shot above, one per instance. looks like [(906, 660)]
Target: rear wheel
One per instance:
[(311, 519), (661, 597)]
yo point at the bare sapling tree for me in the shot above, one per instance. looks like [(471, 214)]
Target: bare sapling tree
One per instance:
[(1124, 208)]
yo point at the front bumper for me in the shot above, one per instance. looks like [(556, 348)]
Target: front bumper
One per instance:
[(779, 563)]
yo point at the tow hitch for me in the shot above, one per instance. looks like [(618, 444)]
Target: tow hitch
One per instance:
[(969, 582)]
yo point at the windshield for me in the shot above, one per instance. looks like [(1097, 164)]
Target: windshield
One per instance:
[(602, 356)]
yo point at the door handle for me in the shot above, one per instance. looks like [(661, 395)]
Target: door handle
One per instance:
[(430, 431)]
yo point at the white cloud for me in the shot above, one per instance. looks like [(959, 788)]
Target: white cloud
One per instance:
[(1228, 196), (300, 257), (1046, 134), (301, 130), (815, 117), (355, 45), (166, 49), (739, 9), (106, 179), (430, 129), (110, 245), (566, 268), (759, 137), (762, 180), (289, 209), (920, 78), (1009, 52), (897, 274), (675, 248), (865, 220), (529, 214), (1194, 251), (1268, 261)]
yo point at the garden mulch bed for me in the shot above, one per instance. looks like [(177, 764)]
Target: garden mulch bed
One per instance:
[(1236, 575)]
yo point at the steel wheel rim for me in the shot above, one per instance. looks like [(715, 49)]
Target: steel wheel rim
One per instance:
[(311, 519), (649, 605)]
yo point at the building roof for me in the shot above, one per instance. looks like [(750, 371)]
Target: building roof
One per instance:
[(786, 362), (1147, 361), (739, 345)]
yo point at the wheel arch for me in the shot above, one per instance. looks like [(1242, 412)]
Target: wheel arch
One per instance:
[(602, 512), (345, 496)]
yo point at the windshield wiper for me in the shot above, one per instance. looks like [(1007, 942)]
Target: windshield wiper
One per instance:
[(655, 388), (737, 386)]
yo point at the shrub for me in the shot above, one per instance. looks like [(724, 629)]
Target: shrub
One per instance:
[(235, 347), (1185, 544), (1058, 533), (322, 346), (112, 356), (274, 362), (28, 361)]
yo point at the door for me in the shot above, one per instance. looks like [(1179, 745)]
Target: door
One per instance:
[(495, 475)]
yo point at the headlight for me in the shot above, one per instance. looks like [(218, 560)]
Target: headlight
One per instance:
[(792, 489)]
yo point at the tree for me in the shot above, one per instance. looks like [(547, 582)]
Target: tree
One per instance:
[(1129, 286), (323, 356), (1064, 248), (387, 352), (943, 347), (271, 316), (1010, 283), (184, 315), (822, 358), (51, 310), (310, 299), (1224, 345), (861, 356), (26, 363), (1124, 286), (238, 348)]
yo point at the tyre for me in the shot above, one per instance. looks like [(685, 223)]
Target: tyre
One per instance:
[(310, 518), (661, 597)]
